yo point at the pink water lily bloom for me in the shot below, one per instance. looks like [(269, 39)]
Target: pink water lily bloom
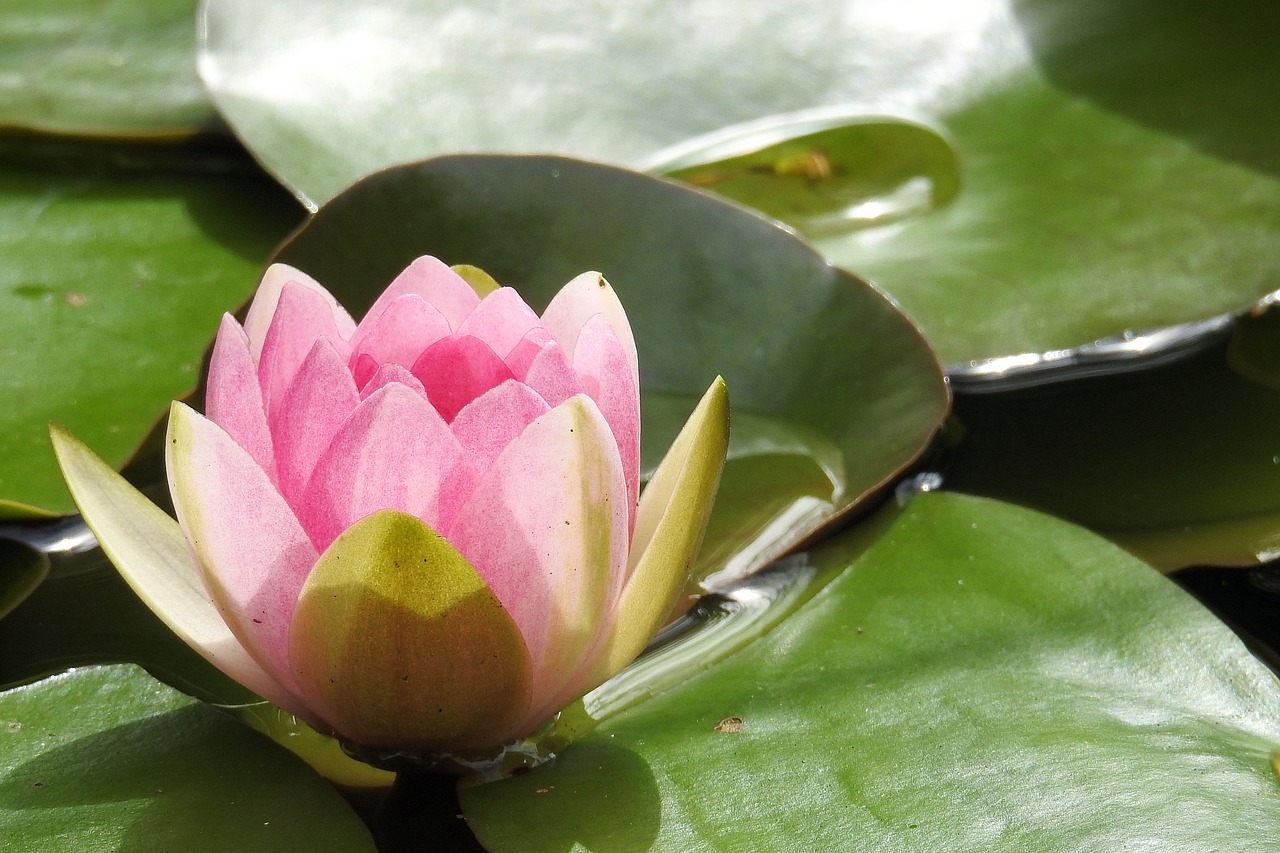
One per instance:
[(422, 531)]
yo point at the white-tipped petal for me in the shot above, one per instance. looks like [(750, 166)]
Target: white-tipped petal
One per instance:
[(149, 550)]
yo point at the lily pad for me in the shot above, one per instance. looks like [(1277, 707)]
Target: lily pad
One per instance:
[(111, 286), (1178, 462), (102, 68), (834, 389), (1116, 162), (982, 678), (105, 759)]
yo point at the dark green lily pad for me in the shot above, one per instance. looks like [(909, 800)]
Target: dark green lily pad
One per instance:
[(1116, 163), (102, 68), (106, 759), (110, 290), (983, 678), (21, 570), (1179, 462), (834, 390)]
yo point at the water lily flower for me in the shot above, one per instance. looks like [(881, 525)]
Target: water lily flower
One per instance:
[(423, 531)]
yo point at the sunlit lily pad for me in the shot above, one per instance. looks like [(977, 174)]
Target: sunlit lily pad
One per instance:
[(102, 68), (834, 389), (110, 290), (106, 759), (983, 678), (1116, 163), (1179, 462)]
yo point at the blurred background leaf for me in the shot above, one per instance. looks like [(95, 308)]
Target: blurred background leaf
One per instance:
[(124, 68), (1115, 161)]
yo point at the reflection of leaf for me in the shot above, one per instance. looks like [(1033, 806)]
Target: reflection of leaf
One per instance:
[(21, 571), (110, 290), (102, 68), (978, 660), (1179, 462), (853, 394), (104, 759), (85, 613), (827, 176)]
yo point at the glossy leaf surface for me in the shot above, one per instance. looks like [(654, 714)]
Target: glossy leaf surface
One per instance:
[(817, 363), (111, 287), (1179, 462), (982, 678), (102, 68), (1116, 163), (106, 759)]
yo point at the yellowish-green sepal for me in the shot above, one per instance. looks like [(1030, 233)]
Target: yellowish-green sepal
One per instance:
[(149, 550), (481, 282), (670, 522), (404, 645)]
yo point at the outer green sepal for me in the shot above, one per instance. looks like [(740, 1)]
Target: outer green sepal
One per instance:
[(670, 522), (404, 645)]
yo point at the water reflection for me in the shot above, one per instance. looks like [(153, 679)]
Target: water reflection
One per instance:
[(820, 172)]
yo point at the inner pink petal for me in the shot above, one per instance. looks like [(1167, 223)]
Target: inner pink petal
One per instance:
[(233, 399), (389, 373), (552, 376), (393, 452), (493, 420), (302, 317), (457, 369), (317, 402), (400, 333), (434, 282), (267, 298), (501, 320), (609, 377), (521, 356), (577, 302)]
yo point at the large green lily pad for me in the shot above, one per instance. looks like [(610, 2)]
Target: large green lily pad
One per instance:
[(983, 678), (1179, 462), (111, 286), (106, 759), (102, 68), (1116, 163), (833, 391)]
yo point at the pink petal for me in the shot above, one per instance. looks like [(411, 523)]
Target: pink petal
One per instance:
[(387, 374), (437, 284), (399, 333), (263, 307), (233, 399), (501, 320), (580, 300), (552, 376), (487, 424), (253, 554), (521, 356), (317, 402), (547, 529), (302, 317), (600, 360), (456, 370), (394, 452)]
